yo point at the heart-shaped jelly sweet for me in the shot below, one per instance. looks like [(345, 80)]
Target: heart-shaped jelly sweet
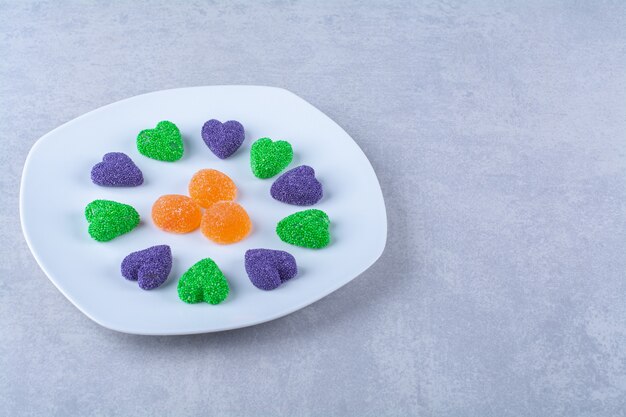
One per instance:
[(268, 269), (116, 170), (163, 143), (268, 158), (298, 186), (307, 228), (149, 267), (110, 219), (204, 281), (223, 139)]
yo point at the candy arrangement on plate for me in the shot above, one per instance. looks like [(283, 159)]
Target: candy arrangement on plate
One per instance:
[(173, 164), (210, 205)]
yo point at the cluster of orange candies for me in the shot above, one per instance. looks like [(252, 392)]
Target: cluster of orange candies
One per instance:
[(223, 220)]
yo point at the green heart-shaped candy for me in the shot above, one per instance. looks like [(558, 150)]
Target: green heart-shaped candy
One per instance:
[(307, 228), (204, 281), (268, 158), (110, 219), (163, 143)]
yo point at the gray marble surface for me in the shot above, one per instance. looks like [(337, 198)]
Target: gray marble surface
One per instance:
[(497, 130)]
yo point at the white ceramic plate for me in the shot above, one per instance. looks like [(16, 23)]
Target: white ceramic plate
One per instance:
[(56, 187)]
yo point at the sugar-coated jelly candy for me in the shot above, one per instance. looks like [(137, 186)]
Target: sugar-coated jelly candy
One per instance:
[(176, 213), (149, 267), (306, 228), (163, 143), (110, 219), (223, 139), (116, 170), (268, 158), (298, 186), (204, 281), (208, 186), (268, 269), (226, 222)]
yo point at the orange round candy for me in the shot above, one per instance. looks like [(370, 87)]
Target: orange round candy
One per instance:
[(226, 222), (176, 213), (208, 186)]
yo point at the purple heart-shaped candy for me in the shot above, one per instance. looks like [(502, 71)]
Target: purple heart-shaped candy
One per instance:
[(298, 186), (150, 267), (116, 170), (223, 139), (268, 269)]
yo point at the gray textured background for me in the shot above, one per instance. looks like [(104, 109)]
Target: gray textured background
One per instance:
[(498, 133)]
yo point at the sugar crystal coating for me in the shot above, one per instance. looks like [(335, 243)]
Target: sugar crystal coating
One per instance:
[(109, 219), (268, 269), (226, 222), (307, 228), (149, 267), (223, 139), (163, 143), (268, 158), (204, 281), (176, 213), (298, 186), (116, 170), (208, 186)]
